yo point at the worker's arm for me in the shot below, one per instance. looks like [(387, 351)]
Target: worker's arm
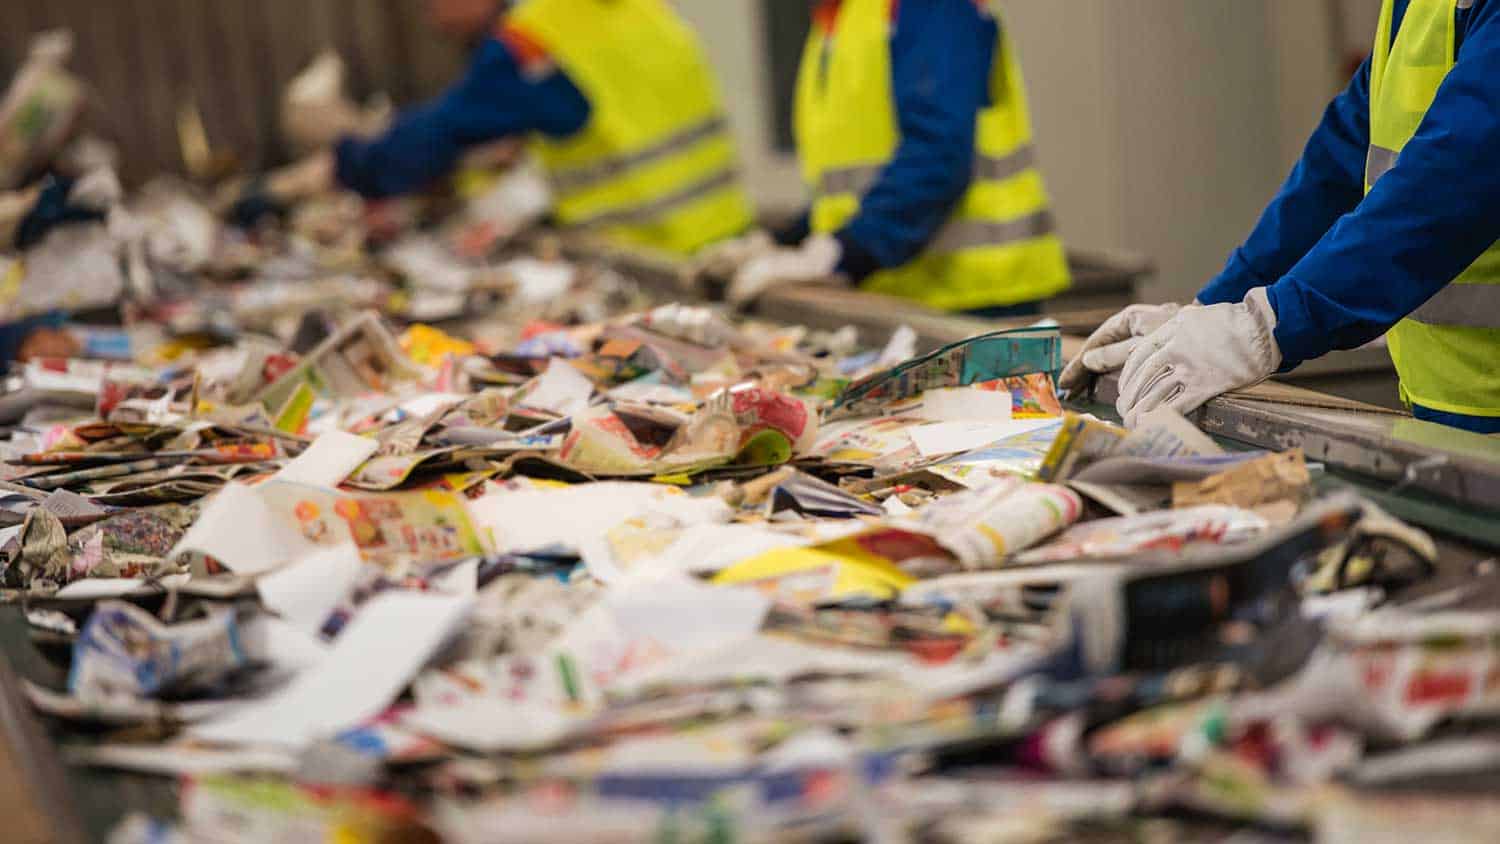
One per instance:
[(1425, 222), (1326, 184), (509, 89), (941, 53)]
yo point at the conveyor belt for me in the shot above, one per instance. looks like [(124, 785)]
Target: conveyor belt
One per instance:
[(1363, 439), (1446, 480)]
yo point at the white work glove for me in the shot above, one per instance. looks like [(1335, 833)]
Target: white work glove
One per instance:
[(97, 190), (725, 258), (815, 260), (304, 179), (1110, 345), (1198, 354), (315, 111)]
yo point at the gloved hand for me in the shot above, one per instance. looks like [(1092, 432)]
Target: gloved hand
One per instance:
[(1198, 354), (725, 258), (1110, 345), (274, 194), (815, 260), (253, 204), (316, 111), (304, 179)]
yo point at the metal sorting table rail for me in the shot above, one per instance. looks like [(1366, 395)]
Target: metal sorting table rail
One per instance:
[(1103, 283), (1444, 480)]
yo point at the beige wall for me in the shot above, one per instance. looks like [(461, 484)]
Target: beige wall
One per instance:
[(1173, 118), (1164, 125), (733, 32)]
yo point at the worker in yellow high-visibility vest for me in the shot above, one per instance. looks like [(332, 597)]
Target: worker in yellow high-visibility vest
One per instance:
[(914, 137), (1389, 223), (618, 96)]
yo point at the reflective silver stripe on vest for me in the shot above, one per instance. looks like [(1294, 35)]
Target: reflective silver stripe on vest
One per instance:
[(977, 234), (1462, 306), (992, 169), (581, 178), (986, 169), (849, 180), (1379, 162), (660, 207)]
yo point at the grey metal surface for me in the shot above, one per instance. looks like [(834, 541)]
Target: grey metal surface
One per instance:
[(1381, 389), (1454, 465), (1103, 282), (1369, 359)]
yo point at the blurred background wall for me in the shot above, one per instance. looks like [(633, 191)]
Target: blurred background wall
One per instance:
[(1164, 125)]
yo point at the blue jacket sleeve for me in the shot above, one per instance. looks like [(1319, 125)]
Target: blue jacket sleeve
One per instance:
[(495, 99), (1326, 184), (941, 54), (1423, 224)]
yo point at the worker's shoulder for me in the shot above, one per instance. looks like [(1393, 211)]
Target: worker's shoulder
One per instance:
[(523, 45)]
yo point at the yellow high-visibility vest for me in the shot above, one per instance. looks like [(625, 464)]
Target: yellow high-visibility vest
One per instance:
[(1448, 351), (656, 165), (1000, 245)]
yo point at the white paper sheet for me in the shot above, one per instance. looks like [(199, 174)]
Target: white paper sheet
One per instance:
[(7, 534), (952, 437), (240, 530), (637, 626), (529, 520), (96, 588), (762, 657), (644, 623), (895, 506), (461, 580), (562, 390), (541, 281), (180, 759), (426, 264), (648, 393), (901, 346), (329, 460), (283, 645), (492, 724), (429, 403), (966, 404), (681, 610), (305, 592), (699, 549), (374, 658)]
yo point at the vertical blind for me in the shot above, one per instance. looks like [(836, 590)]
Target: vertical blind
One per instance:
[(144, 59)]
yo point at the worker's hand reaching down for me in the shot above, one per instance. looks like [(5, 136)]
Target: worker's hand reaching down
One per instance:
[(815, 260), (1110, 345), (247, 202), (1200, 353), (304, 179), (727, 257)]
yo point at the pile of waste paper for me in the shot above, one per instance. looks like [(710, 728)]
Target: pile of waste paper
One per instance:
[(387, 522), (667, 576)]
